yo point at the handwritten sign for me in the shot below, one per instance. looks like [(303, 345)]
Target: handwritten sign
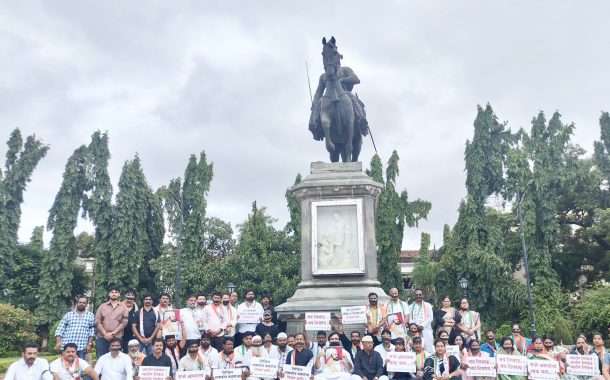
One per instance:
[(351, 315), (511, 365), (264, 368), (227, 374), (453, 350), (192, 375), (582, 365), (401, 362), (317, 321), (248, 316), (542, 369), (481, 366), (153, 373), (296, 372)]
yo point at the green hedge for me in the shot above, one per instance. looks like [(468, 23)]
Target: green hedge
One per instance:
[(17, 326)]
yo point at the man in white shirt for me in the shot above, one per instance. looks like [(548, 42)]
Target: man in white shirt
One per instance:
[(30, 366), (215, 320), (188, 316), (421, 313), (193, 360), (249, 314), (70, 367), (231, 313), (114, 365), (208, 352), (386, 344)]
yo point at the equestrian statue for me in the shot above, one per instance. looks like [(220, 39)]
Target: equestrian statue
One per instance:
[(337, 115)]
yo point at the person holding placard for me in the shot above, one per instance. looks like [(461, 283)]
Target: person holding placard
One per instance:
[(399, 346), (397, 312), (249, 314), (421, 313), (368, 364), (386, 345), (440, 366), (603, 355), (208, 352), (474, 351), (114, 365), (580, 349), (490, 346), (461, 350), (158, 357), (193, 360), (169, 317), (507, 348), (333, 362), (538, 353)]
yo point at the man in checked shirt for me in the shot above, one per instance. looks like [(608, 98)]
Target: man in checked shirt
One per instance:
[(78, 327)]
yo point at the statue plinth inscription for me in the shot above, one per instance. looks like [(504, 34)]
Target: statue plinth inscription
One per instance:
[(338, 246)]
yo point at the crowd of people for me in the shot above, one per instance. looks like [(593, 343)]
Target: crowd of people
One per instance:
[(223, 333)]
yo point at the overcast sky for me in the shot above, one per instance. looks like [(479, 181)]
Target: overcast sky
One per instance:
[(171, 78)]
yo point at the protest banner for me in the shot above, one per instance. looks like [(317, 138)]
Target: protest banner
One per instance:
[(512, 365), (248, 316), (170, 322), (453, 350), (401, 362), (483, 366), (192, 375), (351, 315), (153, 373), (296, 372), (264, 368), (542, 369), (227, 374), (317, 321), (582, 365)]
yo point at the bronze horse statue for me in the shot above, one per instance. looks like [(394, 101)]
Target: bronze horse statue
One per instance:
[(334, 108)]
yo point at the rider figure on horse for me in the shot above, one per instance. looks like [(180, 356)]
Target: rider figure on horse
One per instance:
[(348, 78)]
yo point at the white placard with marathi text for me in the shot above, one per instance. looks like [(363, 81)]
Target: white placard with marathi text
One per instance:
[(512, 365), (192, 375), (153, 373), (538, 369), (227, 374), (483, 366), (296, 372), (248, 316), (453, 350), (401, 362), (317, 321), (264, 368), (582, 365), (352, 315)]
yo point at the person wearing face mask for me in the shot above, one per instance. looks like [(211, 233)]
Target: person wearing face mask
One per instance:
[(581, 348), (231, 313), (189, 320), (375, 317), (249, 314), (209, 352), (386, 345), (77, 326), (333, 361), (215, 320), (70, 367), (420, 312), (193, 360), (30, 366), (507, 348), (146, 325), (267, 326), (521, 343), (490, 346), (474, 351)]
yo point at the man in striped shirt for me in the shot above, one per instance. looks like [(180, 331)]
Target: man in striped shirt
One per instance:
[(78, 327)]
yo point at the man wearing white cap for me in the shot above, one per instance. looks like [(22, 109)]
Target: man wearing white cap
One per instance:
[(133, 350), (282, 348), (368, 363)]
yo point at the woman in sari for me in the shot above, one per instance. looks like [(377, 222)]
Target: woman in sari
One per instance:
[(539, 353), (440, 366), (508, 348), (474, 351), (446, 317)]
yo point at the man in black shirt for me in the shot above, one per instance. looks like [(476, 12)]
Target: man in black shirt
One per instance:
[(368, 363), (158, 358), (300, 355), (145, 324)]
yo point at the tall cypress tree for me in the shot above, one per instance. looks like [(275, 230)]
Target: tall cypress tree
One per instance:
[(57, 264), (21, 160), (394, 214)]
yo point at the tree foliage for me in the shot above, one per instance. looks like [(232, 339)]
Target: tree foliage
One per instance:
[(394, 213)]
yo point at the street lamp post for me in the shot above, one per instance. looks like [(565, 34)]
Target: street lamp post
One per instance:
[(532, 314), (231, 287), (464, 285)]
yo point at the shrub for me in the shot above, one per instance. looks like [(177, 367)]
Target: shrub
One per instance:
[(592, 313), (17, 326)]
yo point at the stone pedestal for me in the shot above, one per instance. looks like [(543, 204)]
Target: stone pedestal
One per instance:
[(338, 247)]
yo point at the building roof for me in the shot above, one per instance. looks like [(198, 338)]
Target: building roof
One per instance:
[(408, 256)]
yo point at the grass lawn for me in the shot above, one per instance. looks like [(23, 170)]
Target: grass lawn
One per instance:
[(6, 362)]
